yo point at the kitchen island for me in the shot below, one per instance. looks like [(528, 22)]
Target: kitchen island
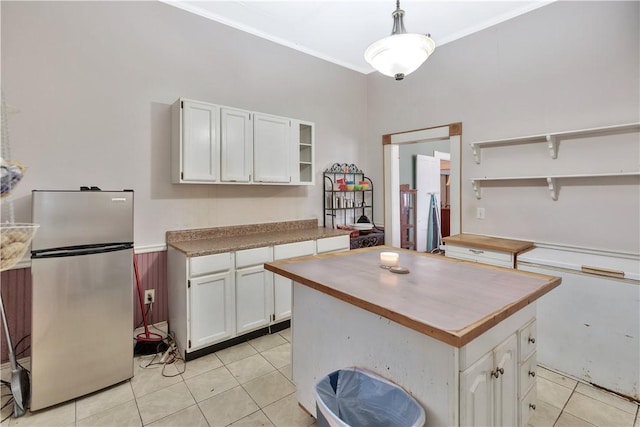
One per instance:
[(458, 336)]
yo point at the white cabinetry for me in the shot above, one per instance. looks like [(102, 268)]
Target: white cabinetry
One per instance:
[(488, 389), (254, 289), (485, 256), (213, 144), (282, 285), (485, 249), (303, 152), (213, 298), (201, 299), (236, 143), (271, 149), (197, 158), (333, 244)]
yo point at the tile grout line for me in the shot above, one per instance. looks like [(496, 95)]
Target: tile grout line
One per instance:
[(573, 390)]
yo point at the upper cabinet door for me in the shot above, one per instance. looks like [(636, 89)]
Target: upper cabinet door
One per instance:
[(196, 142), (271, 148), (236, 144)]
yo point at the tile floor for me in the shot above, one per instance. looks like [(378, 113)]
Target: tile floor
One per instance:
[(250, 385)]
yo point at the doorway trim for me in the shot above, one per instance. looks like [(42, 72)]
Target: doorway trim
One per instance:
[(391, 185)]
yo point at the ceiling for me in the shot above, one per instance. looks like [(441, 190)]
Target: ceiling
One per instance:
[(340, 31)]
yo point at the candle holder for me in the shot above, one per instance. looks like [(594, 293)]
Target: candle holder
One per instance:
[(388, 259)]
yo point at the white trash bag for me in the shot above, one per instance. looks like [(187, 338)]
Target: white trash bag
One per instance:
[(352, 397)]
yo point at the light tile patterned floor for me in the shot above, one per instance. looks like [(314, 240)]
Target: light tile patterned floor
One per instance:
[(250, 385)]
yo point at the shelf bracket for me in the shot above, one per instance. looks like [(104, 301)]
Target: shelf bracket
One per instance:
[(476, 152), (552, 143), (476, 188), (553, 188)]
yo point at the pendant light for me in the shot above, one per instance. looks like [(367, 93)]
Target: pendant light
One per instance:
[(401, 53)]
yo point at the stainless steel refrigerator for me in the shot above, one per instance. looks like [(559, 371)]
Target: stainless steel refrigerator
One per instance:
[(82, 293)]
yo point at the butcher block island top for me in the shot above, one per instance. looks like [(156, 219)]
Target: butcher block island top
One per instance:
[(450, 300)]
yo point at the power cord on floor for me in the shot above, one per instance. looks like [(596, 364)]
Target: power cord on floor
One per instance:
[(171, 356)]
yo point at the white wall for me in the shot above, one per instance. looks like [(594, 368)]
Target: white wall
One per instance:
[(565, 66), (94, 82)]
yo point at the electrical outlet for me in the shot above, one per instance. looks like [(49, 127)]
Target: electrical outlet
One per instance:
[(149, 296), (480, 213)]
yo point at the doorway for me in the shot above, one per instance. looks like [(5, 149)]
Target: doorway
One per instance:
[(392, 144)]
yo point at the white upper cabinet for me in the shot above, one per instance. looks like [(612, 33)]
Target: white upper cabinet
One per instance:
[(271, 148), (236, 145), (303, 152), (214, 144), (197, 158)]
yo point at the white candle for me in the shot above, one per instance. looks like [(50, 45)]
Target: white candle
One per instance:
[(389, 259)]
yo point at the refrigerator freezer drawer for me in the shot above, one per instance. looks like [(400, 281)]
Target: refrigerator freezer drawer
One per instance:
[(82, 322)]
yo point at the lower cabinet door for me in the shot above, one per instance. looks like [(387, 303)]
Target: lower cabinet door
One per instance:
[(505, 386), (281, 297), (211, 310), (253, 298), (476, 393)]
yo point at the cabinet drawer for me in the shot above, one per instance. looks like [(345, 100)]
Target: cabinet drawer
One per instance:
[(292, 250), (248, 257), (528, 373), (528, 406), (330, 244), (486, 256), (528, 340), (209, 264)]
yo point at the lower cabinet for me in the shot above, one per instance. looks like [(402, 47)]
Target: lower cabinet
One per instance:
[(211, 307), (488, 389), (254, 289), (214, 298), (282, 285), (486, 256), (499, 388)]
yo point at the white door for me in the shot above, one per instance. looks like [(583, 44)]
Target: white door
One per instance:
[(254, 288), (427, 183), (505, 386), (281, 297), (212, 307), (200, 142), (476, 393), (271, 148), (236, 145)]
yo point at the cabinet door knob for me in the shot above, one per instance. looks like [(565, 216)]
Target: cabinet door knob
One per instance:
[(532, 406), (532, 373), (532, 340), (497, 372)]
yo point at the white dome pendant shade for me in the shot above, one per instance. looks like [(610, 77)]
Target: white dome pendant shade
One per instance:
[(401, 53)]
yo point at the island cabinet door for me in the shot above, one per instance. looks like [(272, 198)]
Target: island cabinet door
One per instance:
[(505, 383), (476, 393), (211, 310), (488, 388)]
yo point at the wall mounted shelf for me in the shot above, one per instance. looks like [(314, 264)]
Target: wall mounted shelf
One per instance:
[(551, 180), (551, 139)]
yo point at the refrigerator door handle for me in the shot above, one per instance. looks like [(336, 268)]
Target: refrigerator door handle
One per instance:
[(80, 250)]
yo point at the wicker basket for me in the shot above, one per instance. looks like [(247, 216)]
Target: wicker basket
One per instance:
[(14, 242)]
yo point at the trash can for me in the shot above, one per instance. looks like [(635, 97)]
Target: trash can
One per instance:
[(352, 397)]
